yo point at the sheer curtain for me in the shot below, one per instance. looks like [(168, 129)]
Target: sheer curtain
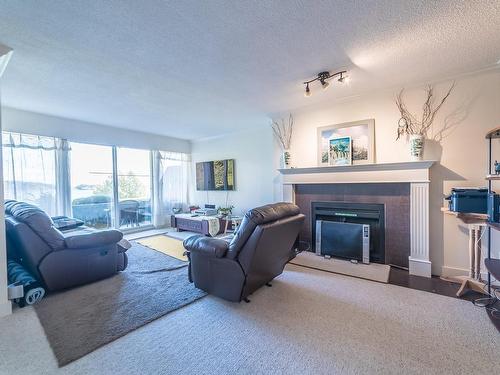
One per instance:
[(35, 170), (171, 174)]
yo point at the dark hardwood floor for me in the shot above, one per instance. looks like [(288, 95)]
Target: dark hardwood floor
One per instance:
[(445, 288)]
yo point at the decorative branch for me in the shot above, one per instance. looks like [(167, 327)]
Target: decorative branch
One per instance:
[(283, 132), (408, 124)]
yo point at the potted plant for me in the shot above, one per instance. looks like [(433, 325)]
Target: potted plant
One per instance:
[(225, 211), (416, 130), (283, 133)]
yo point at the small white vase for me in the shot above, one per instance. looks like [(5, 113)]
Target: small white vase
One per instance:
[(416, 147), (286, 159)]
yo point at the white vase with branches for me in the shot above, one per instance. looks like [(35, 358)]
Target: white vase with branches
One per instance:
[(283, 132), (415, 129)]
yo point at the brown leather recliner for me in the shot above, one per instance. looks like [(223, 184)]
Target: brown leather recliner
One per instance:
[(56, 260), (257, 254)]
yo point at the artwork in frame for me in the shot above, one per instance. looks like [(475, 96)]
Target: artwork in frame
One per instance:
[(340, 151), (362, 134)]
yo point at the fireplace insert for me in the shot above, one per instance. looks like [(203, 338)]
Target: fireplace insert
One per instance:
[(343, 240), (369, 214)]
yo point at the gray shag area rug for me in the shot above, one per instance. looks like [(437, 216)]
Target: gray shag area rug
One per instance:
[(80, 320)]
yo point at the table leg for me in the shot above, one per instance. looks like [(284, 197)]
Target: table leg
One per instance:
[(478, 254), (472, 252)]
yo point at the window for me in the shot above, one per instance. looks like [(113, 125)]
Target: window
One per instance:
[(105, 186), (29, 170), (134, 187), (92, 184)]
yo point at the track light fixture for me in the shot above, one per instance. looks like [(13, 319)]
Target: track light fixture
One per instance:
[(323, 78)]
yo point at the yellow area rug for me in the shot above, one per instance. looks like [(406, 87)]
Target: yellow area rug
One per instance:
[(165, 245)]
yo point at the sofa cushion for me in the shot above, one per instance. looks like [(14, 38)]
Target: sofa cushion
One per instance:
[(97, 239), (38, 221), (206, 246)]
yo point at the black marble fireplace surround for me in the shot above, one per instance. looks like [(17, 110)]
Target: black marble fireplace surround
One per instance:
[(394, 197), (358, 213)]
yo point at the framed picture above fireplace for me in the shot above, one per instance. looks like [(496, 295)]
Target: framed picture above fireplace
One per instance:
[(362, 134), (340, 152)]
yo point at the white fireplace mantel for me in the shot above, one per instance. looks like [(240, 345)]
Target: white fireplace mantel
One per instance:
[(416, 173), (413, 171)]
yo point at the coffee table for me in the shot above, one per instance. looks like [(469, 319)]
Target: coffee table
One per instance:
[(198, 224)]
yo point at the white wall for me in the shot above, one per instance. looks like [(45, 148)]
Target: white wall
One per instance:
[(255, 157), (78, 131)]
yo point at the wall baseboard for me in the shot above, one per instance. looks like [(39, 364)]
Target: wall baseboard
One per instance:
[(419, 267), (5, 309), (455, 271)]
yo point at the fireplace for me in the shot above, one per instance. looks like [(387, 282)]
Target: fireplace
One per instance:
[(372, 215), (403, 189), (385, 207)]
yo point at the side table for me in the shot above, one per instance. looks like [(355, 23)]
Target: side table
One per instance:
[(235, 222), (476, 224)]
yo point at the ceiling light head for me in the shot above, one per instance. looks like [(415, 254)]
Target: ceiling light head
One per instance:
[(323, 76), (344, 78), (308, 91)]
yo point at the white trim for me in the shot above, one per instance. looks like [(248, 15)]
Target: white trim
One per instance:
[(363, 173), (419, 229), (422, 164), (419, 267), (288, 194), (115, 219), (5, 309), (447, 271), (140, 228)]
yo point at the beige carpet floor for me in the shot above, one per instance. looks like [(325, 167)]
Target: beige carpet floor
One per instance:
[(309, 322), (82, 319)]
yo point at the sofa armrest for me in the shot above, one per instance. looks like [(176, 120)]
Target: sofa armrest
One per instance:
[(96, 239), (207, 246)]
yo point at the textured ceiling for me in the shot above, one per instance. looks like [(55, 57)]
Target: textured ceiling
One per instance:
[(193, 69)]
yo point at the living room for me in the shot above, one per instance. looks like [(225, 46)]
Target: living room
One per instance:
[(296, 182)]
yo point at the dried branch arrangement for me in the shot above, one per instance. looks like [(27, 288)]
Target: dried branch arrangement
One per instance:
[(283, 132), (408, 123)]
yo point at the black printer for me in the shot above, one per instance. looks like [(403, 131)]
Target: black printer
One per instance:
[(469, 200)]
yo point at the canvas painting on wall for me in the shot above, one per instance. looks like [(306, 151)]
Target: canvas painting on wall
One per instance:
[(340, 151), (362, 134)]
